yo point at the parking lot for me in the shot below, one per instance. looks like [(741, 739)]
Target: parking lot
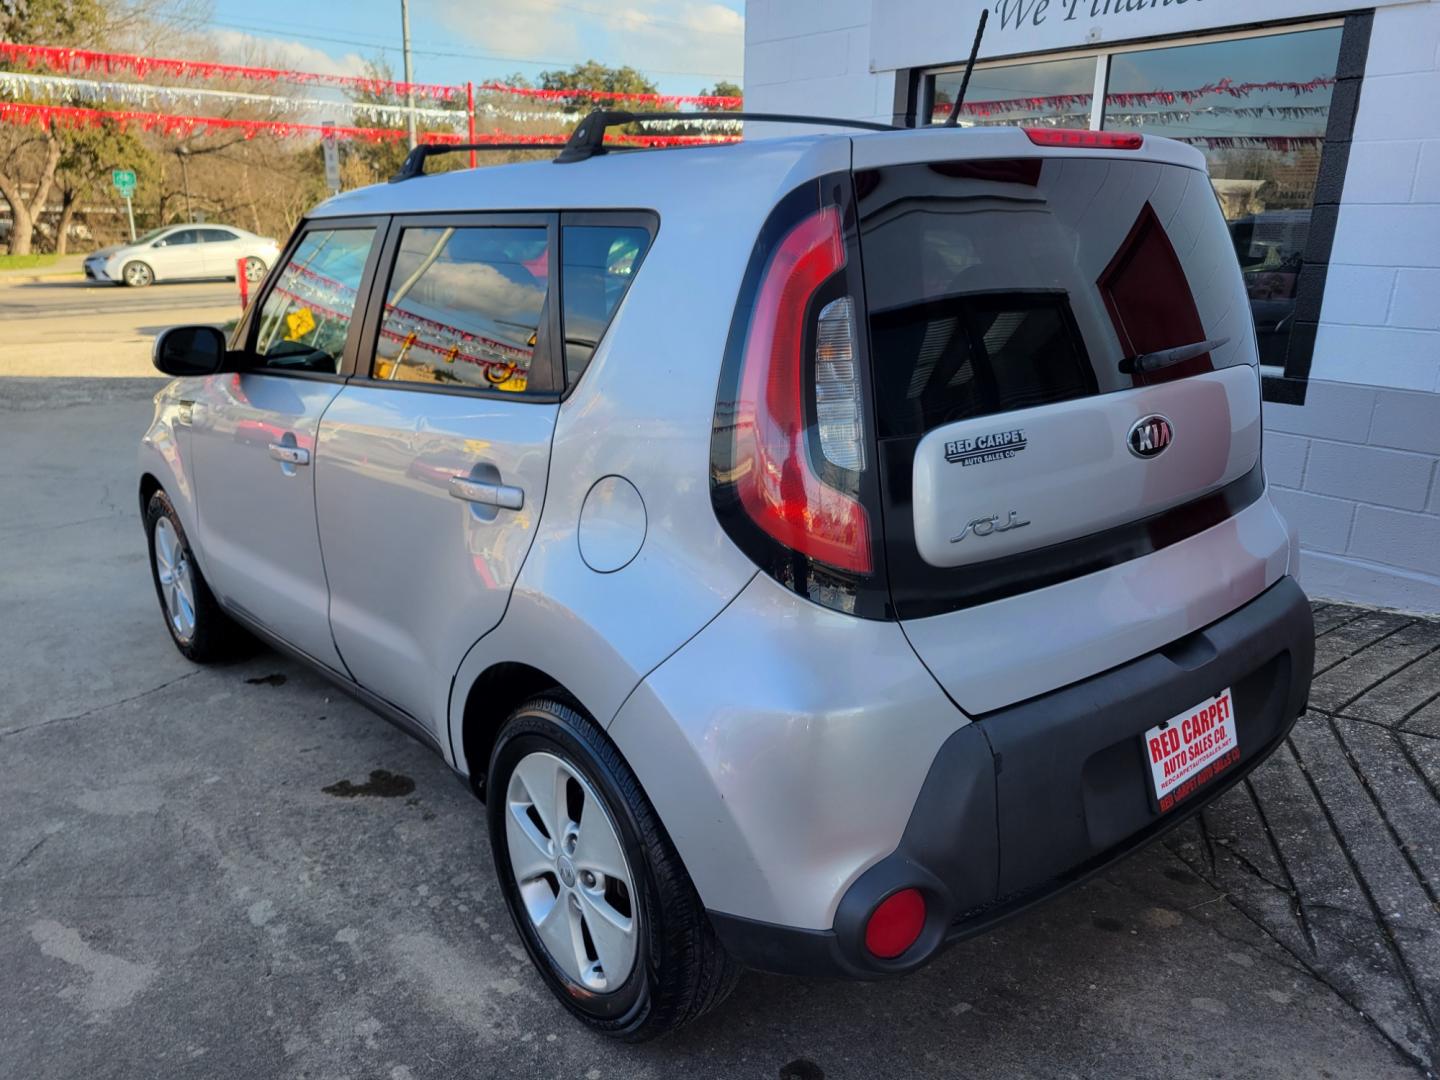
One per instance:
[(181, 896)]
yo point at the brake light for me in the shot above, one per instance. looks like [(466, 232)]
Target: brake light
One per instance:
[(1082, 139), (777, 484)]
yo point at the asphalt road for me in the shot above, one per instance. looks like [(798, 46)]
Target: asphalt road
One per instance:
[(180, 896), (81, 329)]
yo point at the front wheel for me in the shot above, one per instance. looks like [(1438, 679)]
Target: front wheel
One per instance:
[(602, 902), (200, 629), (254, 270), (137, 275)]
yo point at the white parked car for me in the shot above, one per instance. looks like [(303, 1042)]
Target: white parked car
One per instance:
[(184, 253)]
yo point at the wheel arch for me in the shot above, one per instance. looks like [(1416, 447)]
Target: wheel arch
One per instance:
[(497, 692), (149, 485)]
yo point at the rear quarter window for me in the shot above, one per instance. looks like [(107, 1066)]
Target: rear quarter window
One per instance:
[(599, 261)]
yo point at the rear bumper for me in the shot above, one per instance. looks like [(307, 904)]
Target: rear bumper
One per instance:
[(1034, 798)]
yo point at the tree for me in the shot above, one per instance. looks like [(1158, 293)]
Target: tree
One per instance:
[(723, 88), (29, 157), (593, 75), (87, 157)]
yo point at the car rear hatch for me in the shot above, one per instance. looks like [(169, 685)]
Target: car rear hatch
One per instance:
[(1065, 389)]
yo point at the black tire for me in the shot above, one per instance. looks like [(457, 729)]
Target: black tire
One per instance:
[(137, 274), (681, 970), (215, 636)]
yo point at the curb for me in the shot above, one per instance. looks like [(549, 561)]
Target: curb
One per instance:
[(19, 277)]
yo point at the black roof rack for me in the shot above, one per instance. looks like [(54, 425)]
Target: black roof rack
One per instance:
[(415, 160), (588, 138)]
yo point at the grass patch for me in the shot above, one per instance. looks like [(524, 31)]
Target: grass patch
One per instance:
[(26, 262)]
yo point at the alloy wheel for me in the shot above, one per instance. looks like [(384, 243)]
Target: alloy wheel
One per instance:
[(138, 275), (254, 270), (570, 869), (177, 584)]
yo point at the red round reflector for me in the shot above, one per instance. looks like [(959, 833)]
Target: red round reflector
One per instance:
[(896, 924)]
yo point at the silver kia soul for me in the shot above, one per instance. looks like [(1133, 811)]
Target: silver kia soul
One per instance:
[(812, 550)]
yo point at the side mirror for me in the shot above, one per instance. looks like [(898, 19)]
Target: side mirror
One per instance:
[(159, 243), (189, 350)]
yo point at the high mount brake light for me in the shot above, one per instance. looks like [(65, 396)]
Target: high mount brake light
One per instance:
[(777, 483), (1081, 139)]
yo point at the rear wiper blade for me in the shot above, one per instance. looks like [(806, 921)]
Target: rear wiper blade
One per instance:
[(1154, 361)]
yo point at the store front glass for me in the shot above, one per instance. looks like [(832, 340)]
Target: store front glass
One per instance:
[(1257, 107), (1058, 93)]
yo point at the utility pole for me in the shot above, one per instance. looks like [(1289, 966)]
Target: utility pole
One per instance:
[(183, 154), (409, 71)]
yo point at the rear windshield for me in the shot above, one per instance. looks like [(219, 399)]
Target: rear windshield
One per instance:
[(999, 285)]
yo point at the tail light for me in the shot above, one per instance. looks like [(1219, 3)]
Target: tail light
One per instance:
[(790, 444), (1084, 139)]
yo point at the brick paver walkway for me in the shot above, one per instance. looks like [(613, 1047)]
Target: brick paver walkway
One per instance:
[(1332, 847)]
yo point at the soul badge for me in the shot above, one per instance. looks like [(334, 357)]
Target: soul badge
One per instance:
[(996, 446)]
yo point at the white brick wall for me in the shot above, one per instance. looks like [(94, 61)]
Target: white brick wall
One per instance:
[(813, 56), (1380, 323), (1356, 470)]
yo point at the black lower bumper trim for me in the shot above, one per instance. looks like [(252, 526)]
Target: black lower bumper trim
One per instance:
[(1030, 800)]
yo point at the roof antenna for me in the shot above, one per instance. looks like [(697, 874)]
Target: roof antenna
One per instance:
[(954, 116)]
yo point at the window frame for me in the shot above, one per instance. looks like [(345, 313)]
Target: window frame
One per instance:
[(1288, 384), (243, 340), (648, 220), (548, 359)]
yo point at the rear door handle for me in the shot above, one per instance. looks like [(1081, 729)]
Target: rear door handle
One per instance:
[(290, 455), (505, 496)]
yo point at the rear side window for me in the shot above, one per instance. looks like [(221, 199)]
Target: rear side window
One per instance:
[(464, 307), (599, 263)]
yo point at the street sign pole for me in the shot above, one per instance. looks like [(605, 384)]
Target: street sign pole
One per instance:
[(124, 181), (332, 157)]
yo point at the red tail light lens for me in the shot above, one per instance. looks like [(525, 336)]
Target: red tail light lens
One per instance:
[(777, 483), (1081, 139), (895, 924)]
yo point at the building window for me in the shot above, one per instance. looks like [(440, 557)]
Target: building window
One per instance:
[(1257, 108), (1258, 105), (1060, 93)]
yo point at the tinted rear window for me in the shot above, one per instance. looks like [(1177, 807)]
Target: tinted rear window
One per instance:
[(1000, 285)]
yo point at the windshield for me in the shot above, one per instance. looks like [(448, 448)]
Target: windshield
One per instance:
[(153, 234)]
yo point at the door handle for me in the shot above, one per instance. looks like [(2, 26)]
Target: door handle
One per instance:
[(290, 455), (505, 496)]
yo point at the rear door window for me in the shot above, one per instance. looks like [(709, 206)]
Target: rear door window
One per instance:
[(465, 307), (600, 260)]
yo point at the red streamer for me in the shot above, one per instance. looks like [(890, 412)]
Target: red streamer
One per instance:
[(71, 116), (63, 59), (1227, 87)]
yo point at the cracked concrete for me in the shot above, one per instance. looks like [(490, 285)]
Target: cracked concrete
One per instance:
[(180, 897)]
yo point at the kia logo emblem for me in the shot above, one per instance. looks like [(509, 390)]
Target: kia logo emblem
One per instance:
[(1150, 435)]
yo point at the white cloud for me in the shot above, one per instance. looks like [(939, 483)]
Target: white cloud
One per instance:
[(235, 47), (659, 37)]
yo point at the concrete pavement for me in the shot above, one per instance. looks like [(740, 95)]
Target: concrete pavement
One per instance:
[(179, 896)]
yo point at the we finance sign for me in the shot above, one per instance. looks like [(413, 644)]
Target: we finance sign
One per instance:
[(924, 33)]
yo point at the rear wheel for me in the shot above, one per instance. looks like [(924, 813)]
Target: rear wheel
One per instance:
[(200, 629), (254, 270), (602, 902), (137, 275)]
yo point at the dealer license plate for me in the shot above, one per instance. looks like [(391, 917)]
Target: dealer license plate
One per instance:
[(1188, 751)]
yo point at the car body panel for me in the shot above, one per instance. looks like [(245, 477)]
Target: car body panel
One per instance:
[(783, 748), (417, 575), (256, 514)]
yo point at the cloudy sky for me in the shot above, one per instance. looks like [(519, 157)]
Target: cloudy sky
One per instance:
[(682, 45)]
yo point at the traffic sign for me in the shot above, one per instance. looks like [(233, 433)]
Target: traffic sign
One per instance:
[(124, 181)]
